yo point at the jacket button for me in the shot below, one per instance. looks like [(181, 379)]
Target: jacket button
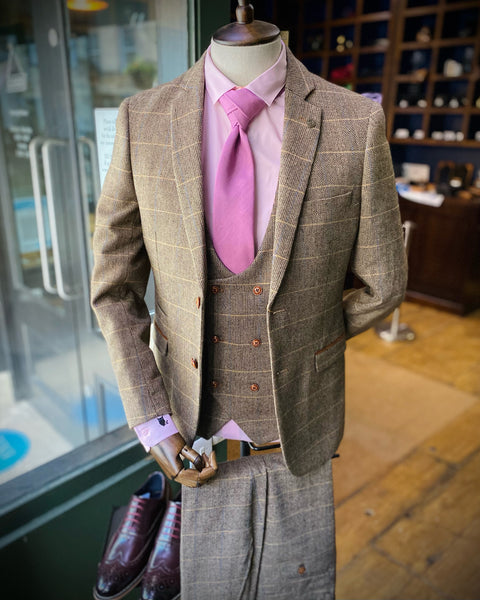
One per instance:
[(257, 290), (194, 363), (256, 343), (214, 383), (254, 387), (198, 302), (215, 339), (311, 123), (215, 289)]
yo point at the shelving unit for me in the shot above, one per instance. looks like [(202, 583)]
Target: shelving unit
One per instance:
[(418, 72), (359, 61), (391, 54)]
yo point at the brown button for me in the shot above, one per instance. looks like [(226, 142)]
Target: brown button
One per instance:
[(194, 363), (254, 387), (301, 569), (215, 289), (257, 290), (215, 339), (256, 343), (214, 383), (198, 301)]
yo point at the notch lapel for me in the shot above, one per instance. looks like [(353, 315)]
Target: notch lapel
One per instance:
[(301, 133), (186, 122)]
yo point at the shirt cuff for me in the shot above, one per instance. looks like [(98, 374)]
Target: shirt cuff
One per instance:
[(155, 431)]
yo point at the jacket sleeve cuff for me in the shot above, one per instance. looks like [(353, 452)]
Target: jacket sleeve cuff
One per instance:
[(154, 431)]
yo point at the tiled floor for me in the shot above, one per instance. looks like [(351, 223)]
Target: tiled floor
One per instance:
[(407, 483)]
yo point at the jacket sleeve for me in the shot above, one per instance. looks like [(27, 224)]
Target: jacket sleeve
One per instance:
[(119, 280), (378, 258)]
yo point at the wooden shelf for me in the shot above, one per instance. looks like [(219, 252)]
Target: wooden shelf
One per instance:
[(443, 43), (349, 21), (441, 77), (430, 142), (414, 110), (334, 53), (420, 11), (410, 110), (380, 49), (404, 78)]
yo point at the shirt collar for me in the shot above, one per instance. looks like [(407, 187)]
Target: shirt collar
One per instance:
[(266, 86)]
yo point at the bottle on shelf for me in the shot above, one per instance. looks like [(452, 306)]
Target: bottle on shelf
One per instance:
[(343, 43), (440, 100), (424, 34)]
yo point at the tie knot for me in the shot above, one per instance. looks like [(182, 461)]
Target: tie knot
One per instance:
[(241, 106)]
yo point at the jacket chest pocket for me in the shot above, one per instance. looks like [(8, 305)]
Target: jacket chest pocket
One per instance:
[(319, 209)]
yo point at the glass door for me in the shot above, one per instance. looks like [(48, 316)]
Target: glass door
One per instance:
[(64, 69)]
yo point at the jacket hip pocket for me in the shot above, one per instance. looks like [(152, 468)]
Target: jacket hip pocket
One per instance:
[(330, 353)]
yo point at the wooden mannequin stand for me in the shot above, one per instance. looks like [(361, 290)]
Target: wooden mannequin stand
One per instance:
[(246, 31)]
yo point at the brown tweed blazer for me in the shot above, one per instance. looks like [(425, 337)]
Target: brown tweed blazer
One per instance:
[(336, 209)]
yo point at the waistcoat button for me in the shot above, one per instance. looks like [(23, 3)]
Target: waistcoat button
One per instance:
[(215, 339), (194, 363), (254, 387), (214, 383), (215, 289), (257, 290), (256, 343)]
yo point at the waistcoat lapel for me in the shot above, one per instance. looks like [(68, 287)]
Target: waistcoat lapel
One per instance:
[(187, 115), (301, 133)]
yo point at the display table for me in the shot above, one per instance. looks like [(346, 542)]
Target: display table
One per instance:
[(444, 258)]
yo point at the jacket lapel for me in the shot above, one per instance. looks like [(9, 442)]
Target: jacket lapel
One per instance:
[(302, 123), (187, 115), (301, 134)]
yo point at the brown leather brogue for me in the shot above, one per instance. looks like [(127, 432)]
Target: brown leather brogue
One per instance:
[(127, 553), (161, 580)]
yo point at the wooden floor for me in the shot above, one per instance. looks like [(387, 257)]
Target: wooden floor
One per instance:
[(407, 483)]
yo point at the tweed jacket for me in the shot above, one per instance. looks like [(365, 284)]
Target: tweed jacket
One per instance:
[(336, 210)]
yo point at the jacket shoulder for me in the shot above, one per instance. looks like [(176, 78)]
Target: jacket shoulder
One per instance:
[(340, 101), (165, 93)]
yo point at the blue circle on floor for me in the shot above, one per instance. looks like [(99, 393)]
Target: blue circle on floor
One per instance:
[(14, 445)]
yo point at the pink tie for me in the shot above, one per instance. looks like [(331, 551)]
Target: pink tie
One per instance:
[(234, 196)]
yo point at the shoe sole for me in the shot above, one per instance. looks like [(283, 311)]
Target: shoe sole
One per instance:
[(125, 591)]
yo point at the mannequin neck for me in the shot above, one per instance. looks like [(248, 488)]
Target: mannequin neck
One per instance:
[(243, 64)]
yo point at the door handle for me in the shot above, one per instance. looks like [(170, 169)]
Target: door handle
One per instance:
[(57, 261), (92, 148), (39, 217)]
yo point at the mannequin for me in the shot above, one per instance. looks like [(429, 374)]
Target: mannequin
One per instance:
[(241, 51), (262, 348)]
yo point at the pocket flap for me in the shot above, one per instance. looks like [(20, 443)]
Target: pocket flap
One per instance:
[(160, 339), (327, 355)]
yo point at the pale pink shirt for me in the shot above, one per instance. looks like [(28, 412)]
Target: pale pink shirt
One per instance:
[(265, 135)]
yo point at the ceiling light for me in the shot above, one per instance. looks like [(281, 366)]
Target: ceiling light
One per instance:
[(87, 5)]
